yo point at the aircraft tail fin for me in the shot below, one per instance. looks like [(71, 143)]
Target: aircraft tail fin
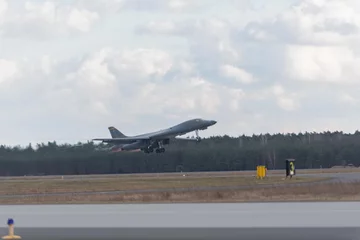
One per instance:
[(115, 133)]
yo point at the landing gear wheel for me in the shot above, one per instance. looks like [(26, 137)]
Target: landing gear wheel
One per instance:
[(148, 150), (160, 150)]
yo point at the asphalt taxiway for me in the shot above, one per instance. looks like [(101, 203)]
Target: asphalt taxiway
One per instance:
[(320, 220)]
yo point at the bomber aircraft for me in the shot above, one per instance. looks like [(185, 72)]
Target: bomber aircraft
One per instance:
[(149, 142)]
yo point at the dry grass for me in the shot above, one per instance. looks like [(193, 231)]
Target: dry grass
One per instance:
[(166, 181), (10, 187), (317, 192)]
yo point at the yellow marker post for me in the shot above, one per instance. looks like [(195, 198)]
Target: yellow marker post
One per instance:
[(11, 235), (263, 171), (260, 172)]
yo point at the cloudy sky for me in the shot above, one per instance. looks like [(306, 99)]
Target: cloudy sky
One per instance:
[(71, 68)]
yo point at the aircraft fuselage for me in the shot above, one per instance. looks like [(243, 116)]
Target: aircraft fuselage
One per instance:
[(155, 140)]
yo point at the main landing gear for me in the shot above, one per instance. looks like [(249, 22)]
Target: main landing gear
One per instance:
[(148, 150), (158, 149)]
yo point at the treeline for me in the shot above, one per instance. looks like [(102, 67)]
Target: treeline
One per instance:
[(221, 153)]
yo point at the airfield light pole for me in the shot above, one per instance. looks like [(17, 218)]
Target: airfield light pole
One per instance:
[(11, 234)]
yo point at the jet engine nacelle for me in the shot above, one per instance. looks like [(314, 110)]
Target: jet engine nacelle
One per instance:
[(115, 148), (132, 146)]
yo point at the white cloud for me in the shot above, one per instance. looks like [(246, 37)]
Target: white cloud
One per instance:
[(8, 69), (3, 8), (315, 41), (210, 27), (348, 99), (47, 64), (93, 83), (45, 11), (82, 20), (286, 103), (325, 64), (194, 95), (142, 62), (312, 22), (285, 100), (119, 62), (102, 85), (238, 74), (134, 70), (121, 6), (162, 5), (235, 97), (46, 19), (179, 4), (102, 7)]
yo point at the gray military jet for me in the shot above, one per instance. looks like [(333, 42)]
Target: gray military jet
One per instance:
[(149, 142)]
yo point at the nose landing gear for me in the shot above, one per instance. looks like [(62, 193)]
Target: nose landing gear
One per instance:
[(198, 138)]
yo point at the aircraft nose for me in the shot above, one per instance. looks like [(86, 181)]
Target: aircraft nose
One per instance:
[(213, 122)]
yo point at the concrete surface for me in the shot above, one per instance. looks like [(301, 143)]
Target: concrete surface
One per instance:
[(188, 233), (320, 220), (310, 214)]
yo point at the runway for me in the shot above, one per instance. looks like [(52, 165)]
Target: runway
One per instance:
[(330, 220), (188, 233)]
